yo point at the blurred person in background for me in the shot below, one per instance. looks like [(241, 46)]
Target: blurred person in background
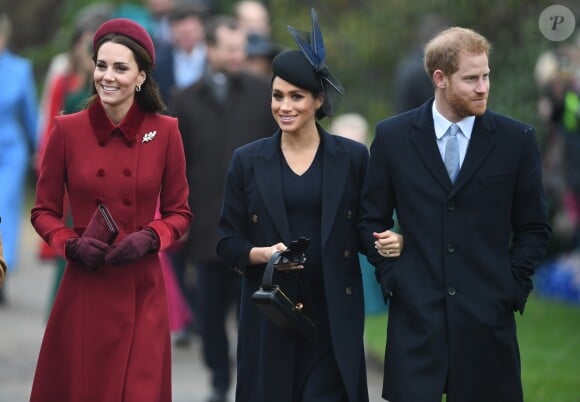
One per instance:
[(260, 51), (226, 108), (182, 61), (412, 84), (159, 28), (109, 324), (87, 19), (557, 75), (355, 127), (253, 17), (18, 140)]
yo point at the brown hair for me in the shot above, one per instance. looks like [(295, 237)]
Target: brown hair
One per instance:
[(442, 52), (149, 98)]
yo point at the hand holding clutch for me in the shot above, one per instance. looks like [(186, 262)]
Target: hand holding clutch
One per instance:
[(132, 247), (87, 251)]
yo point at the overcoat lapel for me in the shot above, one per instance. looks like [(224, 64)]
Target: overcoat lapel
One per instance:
[(481, 143), (335, 165), (424, 141), (267, 168)]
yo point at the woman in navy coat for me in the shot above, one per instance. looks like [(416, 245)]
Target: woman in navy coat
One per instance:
[(18, 127), (301, 181)]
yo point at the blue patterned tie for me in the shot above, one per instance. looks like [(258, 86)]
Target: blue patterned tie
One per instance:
[(452, 152)]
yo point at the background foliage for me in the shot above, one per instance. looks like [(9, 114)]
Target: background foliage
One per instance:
[(364, 40)]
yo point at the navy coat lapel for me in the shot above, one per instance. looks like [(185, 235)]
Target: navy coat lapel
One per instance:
[(335, 166), (481, 143), (425, 142), (267, 168)]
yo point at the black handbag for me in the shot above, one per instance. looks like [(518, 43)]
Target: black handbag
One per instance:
[(277, 306)]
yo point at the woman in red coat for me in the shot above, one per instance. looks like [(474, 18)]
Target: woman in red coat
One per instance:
[(107, 337)]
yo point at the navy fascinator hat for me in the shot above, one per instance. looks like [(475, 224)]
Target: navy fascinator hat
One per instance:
[(306, 67)]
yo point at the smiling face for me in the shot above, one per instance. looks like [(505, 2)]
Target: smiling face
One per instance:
[(116, 77), (465, 92), (293, 108)]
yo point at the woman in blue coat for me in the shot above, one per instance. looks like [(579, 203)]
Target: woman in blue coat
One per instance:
[(18, 117), (301, 181)]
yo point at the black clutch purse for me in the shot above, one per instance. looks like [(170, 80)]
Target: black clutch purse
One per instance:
[(277, 306)]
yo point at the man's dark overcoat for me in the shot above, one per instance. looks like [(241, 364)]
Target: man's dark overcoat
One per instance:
[(470, 249), (254, 215), (211, 132)]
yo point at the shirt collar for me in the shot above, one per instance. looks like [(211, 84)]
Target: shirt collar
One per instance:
[(441, 124), (104, 128)]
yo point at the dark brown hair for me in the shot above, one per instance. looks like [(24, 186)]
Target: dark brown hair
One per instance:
[(149, 98)]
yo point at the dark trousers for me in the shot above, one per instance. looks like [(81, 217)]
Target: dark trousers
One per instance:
[(218, 288)]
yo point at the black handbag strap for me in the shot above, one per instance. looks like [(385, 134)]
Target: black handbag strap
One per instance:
[(269, 274), (269, 271)]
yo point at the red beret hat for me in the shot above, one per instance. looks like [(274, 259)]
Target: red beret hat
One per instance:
[(129, 28)]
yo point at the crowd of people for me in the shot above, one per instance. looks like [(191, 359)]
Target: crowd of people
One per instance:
[(207, 144)]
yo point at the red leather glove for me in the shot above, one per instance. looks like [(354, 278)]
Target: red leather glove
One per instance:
[(132, 247), (86, 250)]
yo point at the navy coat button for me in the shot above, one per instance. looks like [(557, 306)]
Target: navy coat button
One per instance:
[(451, 248), (346, 253), (254, 218), (451, 291), (451, 206), (348, 291), (349, 214)]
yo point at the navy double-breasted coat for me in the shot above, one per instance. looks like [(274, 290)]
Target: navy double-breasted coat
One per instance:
[(470, 249), (253, 214)]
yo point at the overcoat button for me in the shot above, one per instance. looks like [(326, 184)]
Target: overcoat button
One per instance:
[(127, 172), (126, 201), (346, 253), (100, 172), (451, 248), (254, 218), (98, 200), (349, 214), (348, 291), (451, 206), (451, 291)]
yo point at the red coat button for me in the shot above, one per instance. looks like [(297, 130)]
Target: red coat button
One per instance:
[(127, 201), (100, 172), (127, 172)]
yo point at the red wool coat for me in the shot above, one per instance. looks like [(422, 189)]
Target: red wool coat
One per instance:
[(107, 337)]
